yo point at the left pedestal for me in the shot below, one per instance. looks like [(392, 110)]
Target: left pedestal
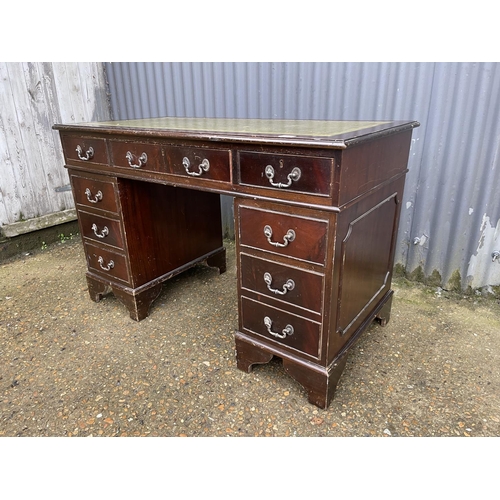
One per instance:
[(137, 235)]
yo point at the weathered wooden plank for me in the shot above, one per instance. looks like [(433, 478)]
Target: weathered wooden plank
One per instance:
[(39, 77), (73, 104), (34, 96), (9, 204), (49, 220), (29, 137), (15, 181)]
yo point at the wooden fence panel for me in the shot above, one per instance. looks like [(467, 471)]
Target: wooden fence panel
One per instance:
[(34, 96)]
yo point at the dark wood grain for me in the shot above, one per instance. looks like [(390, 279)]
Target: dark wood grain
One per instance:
[(343, 211), (71, 142), (219, 162), (320, 384), (370, 164), (107, 230), (305, 337), (113, 267), (167, 228), (138, 305), (95, 184), (315, 176), (364, 261), (310, 133), (310, 240), (120, 149), (307, 289)]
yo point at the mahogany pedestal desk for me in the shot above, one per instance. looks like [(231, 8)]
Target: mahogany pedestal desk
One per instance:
[(316, 207)]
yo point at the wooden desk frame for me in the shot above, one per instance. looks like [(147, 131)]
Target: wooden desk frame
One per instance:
[(316, 208)]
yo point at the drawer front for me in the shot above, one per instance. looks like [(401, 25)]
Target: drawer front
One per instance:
[(137, 155), (107, 263), (279, 326), (297, 237), (84, 149), (95, 193), (199, 163), (291, 285), (101, 229), (305, 174)]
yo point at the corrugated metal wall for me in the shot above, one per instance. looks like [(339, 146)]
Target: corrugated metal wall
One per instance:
[(451, 210), (34, 96)]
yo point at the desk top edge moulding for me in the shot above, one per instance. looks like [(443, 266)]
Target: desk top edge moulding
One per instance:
[(333, 133), (316, 213)]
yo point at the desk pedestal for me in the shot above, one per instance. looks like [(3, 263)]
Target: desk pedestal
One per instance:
[(139, 234)]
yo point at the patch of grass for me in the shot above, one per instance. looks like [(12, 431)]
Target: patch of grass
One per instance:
[(63, 238), (399, 271), (434, 279), (455, 282), (417, 275)]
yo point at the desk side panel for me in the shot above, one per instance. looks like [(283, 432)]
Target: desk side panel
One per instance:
[(366, 166), (363, 263)]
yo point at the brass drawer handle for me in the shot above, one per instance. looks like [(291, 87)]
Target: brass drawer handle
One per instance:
[(142, 160), (289, 236), (108, 267), (88, 154), (289, 285), (103, 233), (288, 330), (294, 175), (97, 197), (204, 166)]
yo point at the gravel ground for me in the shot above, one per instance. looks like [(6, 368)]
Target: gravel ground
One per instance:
[(71, 367)]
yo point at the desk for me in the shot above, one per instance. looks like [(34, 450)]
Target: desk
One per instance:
[(316, 206)]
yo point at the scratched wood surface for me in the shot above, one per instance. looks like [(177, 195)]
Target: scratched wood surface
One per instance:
[(34, 96)]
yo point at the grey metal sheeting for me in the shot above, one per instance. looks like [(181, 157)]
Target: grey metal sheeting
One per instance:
[(450, 221)]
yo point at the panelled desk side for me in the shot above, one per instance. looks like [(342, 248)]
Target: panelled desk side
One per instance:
[(316, 208)]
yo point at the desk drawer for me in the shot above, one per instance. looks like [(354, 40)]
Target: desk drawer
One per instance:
[(279, 326), (84, 149), (101, 229), (95, 192), (298, 237), (305, 174), (107, 263), (199, 163), (137, 155), (288, 284)]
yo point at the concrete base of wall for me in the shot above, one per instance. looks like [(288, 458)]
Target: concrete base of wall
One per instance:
[(36, 240)]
